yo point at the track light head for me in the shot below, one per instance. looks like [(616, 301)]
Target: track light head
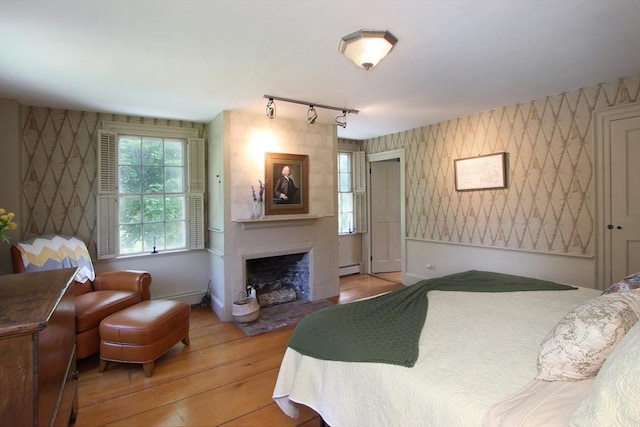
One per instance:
[(311, 115), (271, 109), (342, 120)]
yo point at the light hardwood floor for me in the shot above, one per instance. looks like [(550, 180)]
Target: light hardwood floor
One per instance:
[(221, 379)]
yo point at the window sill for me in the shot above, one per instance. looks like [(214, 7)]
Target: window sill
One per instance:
[(146, 254)]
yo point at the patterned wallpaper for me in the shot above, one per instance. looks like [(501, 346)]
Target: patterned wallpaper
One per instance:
[(351, 144), (549, 205), (59, 163)]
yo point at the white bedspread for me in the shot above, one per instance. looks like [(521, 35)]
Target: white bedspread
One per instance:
[(475, 349)]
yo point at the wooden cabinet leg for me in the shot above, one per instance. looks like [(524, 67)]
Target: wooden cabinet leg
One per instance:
[(74, 409)]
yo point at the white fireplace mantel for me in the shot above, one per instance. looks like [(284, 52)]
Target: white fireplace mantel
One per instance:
[(277, 221)]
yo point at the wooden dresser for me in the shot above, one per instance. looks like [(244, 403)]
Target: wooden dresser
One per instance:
[(38, 377)]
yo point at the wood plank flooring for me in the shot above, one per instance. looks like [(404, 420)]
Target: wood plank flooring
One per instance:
[(221, 379)]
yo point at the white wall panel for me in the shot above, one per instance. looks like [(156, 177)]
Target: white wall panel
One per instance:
[(448, 258)]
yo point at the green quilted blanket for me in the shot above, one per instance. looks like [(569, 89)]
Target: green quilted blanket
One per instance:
[(386, 329)]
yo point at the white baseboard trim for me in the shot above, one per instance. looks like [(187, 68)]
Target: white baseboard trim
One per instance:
[(191, 298), (350, 269)]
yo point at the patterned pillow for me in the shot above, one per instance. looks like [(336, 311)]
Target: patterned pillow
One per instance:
[(578, 345), (628, 283)]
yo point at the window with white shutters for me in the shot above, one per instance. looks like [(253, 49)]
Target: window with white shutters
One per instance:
[(150, 190)]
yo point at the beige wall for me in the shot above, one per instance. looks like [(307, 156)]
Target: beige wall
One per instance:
[(59, 169), (252, 135), (10, 182), (237, 153), (48, 167), (350, 256), (51, 175), (549, 205)]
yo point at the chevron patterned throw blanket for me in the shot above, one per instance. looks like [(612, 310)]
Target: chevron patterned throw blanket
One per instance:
[(386, 329), (51, 252)]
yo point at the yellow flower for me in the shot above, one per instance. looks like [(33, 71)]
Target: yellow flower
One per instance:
[(6, 224)]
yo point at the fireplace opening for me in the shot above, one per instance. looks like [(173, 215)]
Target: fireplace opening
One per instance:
[(279, 279)]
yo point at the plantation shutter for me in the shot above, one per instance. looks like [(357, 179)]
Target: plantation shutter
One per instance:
[(107, 201), (107, 158), (360, 212), (107, 226), (360, 191), (195, 226), (196, 165), (359, 172), (196, 221)]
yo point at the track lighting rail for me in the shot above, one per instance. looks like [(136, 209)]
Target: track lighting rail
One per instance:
[(311, 104)]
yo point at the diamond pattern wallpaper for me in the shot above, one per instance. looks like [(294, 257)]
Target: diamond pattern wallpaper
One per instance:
[(549, 204), (59, 163)]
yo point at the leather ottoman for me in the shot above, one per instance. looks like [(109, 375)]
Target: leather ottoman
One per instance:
[(143, 332)]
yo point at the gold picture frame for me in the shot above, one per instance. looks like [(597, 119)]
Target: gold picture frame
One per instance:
[(286, 196)]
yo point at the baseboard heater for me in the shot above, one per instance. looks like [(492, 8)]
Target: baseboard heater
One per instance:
[(345, 270)]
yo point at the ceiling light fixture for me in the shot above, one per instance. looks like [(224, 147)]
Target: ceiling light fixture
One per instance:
[(271, 109), (312, 115), (367, 48)]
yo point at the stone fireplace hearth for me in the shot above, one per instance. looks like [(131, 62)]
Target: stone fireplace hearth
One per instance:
[(312, 236), (279, 279)]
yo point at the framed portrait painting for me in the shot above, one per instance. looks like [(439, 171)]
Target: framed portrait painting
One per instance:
[(287, 189)]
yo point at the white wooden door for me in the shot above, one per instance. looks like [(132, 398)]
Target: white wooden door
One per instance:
[(624, 189), (385, 216)]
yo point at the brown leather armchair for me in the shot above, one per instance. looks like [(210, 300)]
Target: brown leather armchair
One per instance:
[(108, 293)]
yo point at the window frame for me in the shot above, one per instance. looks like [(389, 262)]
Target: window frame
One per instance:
[(358, 189), (351, 192), (108, 195), (154, 231)]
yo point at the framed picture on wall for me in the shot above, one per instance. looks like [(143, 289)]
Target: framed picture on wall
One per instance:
[(481, 172), (287, 189)]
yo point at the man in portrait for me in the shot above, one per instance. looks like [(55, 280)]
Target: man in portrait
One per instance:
[(285, 190)]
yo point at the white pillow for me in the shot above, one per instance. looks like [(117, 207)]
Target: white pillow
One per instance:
[(615, 397), (578, 345), (540, 403)]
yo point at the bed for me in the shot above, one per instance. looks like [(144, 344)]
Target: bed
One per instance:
[(479, 354)]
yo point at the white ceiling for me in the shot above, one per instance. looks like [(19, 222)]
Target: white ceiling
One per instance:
[(190, 60)]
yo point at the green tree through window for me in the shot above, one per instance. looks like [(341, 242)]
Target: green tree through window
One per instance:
[(152, 194)]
